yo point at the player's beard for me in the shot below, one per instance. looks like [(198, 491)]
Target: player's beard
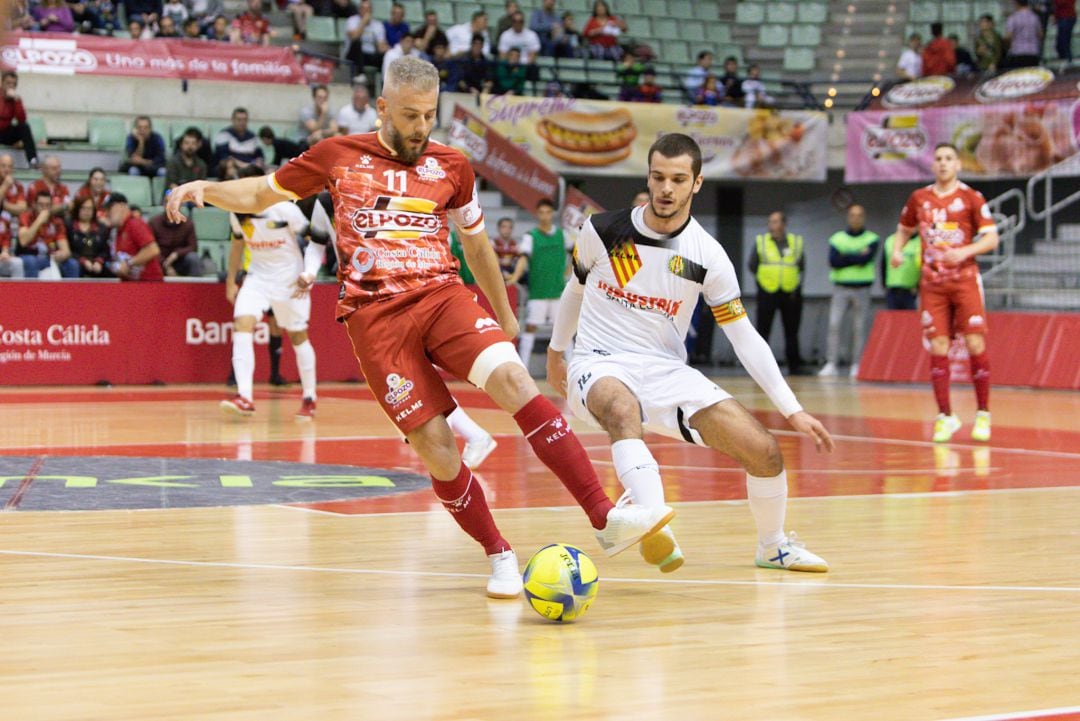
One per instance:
[(406, 152), (678, 208)]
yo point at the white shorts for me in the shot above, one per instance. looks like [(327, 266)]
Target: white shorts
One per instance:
[(257, 296), (541, 312), (669, 391)]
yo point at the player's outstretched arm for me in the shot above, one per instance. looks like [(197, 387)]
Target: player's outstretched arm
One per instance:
[(484, 265), (566, 323), (246, 195)]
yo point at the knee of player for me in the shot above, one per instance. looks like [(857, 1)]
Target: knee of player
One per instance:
[(620, 416), (298, 337), (939, 345), (511, 385), (767, 460), (975, 342)]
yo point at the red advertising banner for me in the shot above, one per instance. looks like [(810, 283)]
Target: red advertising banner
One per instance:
[(513, 171), (68, 54), (318, 69), (577, 207), (79, 333)]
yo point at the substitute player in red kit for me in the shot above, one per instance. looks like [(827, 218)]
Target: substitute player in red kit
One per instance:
[(955, 225), (406, 309)]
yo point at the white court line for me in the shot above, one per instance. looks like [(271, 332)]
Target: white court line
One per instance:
[(437, 574), (1040, 713)]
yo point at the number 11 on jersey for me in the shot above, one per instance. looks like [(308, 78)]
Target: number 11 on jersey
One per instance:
[(395, 180)]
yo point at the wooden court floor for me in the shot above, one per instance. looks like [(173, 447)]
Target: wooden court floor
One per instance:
[(190, 567)]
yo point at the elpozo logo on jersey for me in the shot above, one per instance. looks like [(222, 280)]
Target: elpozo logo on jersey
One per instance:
[(430, 171), (396, 219), (41, 55)]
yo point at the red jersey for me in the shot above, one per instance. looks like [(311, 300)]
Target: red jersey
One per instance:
[(391, 217), (99, 198), (133, 236), (944, 222), (507, 252), (15, 193), (6, 232), (252, 28), (46, 239), (59, 192)]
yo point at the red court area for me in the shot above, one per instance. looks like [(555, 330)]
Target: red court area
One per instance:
[(874, 455)]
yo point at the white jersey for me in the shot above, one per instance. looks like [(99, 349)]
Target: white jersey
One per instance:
[(271, 238), (641, 287)]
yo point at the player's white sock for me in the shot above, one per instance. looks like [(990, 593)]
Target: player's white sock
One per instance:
[(525, 346), (305, 363), (638, 471), (768, 503), (243, 362), (462, 425)]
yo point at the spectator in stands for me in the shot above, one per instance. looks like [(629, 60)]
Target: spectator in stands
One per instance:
[(219, 31), (358, 116), (754, 89), (43, 239), (365, 42), (407, 46), (938, 57), (49, 184), (251, 28), (11, 266), (602, 32), (461, 36), (641, 197), (53, 16), (512, 263), (236, 147), (137, 255), (167, 28), (147, 12), (545, 22), (138, 30), (988, 45), (909, 66), (316, 120), (731, 82), (476, 71), (283, 149), (174, 10), (96, 188), (144, 150), (88, 239), (192, 29), (778, 263), (510, 74), (1023, 35), (710, 93), (185, 165), (1065, 17), (520, 37), (20, 17), (965, 63), (695, 77), (647, 90), (507, 19), (396, 28), (178, 245), (205, 11), (14, 130), (85, 14), (341, 9), (446, 67), (628, 73), (299, 11), (567, 38), (430, 34), (12, 193)]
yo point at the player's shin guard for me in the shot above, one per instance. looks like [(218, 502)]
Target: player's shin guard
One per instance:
[(939, 377), (768, 504), (560, 450), (243, 360), (980, 377), (638, 471), (464, 499), (305, 363)]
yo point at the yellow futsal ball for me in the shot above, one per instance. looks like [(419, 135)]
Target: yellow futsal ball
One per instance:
[(560, 582)]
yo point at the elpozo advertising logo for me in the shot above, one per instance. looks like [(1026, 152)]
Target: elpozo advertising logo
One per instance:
[(1015, 84), (898, 137), (919, 92), (44, 55)]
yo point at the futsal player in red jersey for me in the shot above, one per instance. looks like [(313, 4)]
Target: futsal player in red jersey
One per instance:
[(406, 310), (955, 225)]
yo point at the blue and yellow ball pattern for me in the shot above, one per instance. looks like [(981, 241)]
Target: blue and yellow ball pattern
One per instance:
[(560, 582)]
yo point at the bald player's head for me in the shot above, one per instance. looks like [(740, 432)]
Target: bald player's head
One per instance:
[(856, 218)]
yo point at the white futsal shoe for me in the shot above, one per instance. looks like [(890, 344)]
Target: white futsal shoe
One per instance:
[(476, 453), (505, 580), (662, 550), (628, 524), (828, 371), (790, 555)]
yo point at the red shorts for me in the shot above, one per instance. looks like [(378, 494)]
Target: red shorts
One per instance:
[(398, 342), (953, 307)]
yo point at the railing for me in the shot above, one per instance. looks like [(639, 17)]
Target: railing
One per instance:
[(1000, 263), (1068, 167)]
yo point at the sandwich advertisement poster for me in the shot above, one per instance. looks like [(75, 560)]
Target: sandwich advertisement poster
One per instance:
[(596, 137), (1010, 126)]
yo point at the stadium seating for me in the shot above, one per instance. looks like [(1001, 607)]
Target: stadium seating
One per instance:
[(210, 224), (322, 29), (106, 133), (135, 187)]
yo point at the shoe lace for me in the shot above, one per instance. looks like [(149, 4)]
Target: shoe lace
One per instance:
[(793, 540)]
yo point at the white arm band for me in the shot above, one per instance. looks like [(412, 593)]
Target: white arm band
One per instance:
[(566, 320), (314, 254), (757, 357)]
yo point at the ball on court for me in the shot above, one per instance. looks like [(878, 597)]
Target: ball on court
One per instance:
[(560, 582)]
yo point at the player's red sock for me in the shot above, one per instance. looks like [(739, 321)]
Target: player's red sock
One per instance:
[(465, 500), (939, 376), (980, 376), (561, 451)]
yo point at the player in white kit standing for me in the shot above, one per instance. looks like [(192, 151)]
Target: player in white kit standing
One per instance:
[(638, 273), (272, 239)]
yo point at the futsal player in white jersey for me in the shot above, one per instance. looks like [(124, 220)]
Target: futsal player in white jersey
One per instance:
[(278, 277), (637, 276)]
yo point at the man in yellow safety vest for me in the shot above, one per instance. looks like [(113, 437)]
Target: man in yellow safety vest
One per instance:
[(777, 262)]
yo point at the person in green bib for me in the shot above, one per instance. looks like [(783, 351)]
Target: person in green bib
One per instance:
[(902, 281), (545, 251), (777, 262), (851, 256), (463, 267)]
